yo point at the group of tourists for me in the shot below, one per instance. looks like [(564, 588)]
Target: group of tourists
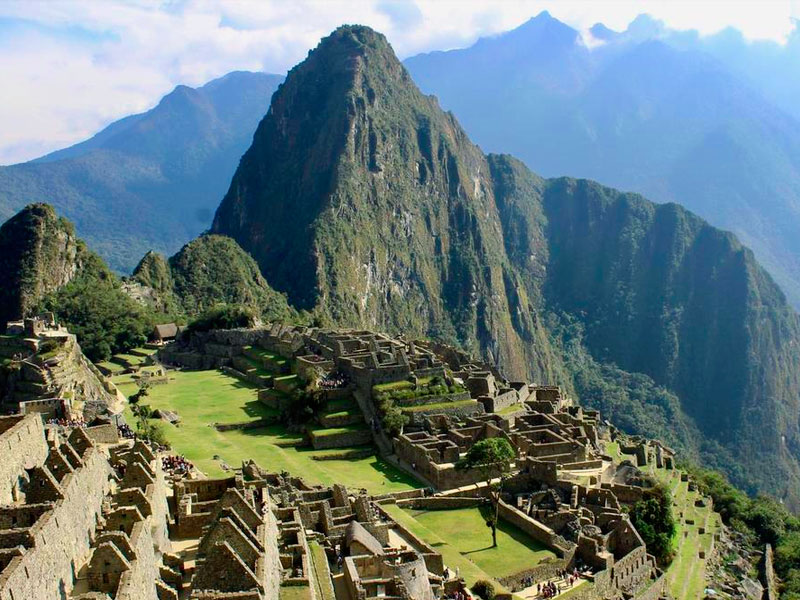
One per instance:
[(334, 381), (124, 430), (551, 589), (71, 423), (177, 465)]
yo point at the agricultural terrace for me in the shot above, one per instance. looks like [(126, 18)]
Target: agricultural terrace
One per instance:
[(686, 575), (202, 398), (465, 542)]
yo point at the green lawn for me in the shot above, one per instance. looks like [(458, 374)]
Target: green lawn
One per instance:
[(393, 385), (131, 359), (440, 405), (112, 366), (467, 531), (453, 558), (326, 431), (514, 408), (205, 397)]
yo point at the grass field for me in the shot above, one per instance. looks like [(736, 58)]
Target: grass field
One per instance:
[(468, 545), (467, 530), (205, 397)]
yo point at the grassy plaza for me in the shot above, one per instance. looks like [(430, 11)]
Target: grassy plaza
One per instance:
[(203, 398)]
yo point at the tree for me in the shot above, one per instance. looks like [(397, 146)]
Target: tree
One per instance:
[(493, 457), (484, 589), (94, 307), (652, 516), (142, 392)]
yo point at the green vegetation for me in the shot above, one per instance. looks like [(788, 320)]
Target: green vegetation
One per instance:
[(680, 328), (493, 457), (686, 573), (202, 398), (652, 516), (38, 253), (440, 405), (213, 269), (320, 572), (463, 531), (484, 589), (761, 519), (103, 317), (223, 316), (398, 391)]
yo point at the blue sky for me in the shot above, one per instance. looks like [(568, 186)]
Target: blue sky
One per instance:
[(70, 67)]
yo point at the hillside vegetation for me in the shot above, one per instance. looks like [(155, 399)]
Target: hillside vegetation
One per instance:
[(700, 120), (209, 271)]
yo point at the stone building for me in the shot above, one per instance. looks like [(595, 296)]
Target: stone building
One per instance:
[(72, 523)]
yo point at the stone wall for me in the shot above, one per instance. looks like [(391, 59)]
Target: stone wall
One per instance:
[(103, 434), (139, 582), (503, 400), (769, 574), (440, 502), (460, 411), (357, 437), (47, 569), (22, 446), (538, 531), (271, 560)]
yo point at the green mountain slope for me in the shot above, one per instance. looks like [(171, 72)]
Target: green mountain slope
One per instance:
[(150, 180), (44, 266), (649, 111), (365, 202), (360, 198), (39, 253), (210, 270)]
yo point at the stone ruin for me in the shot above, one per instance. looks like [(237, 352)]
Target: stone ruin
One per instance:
[(48, 373), (79, 520)]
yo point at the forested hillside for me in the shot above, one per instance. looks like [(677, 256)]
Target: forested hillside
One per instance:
[(673, 116)]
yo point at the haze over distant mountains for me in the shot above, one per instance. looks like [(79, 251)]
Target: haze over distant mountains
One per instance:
[(152, 180), (709, 122)]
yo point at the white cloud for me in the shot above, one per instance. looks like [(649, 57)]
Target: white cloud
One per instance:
[(69, 67)]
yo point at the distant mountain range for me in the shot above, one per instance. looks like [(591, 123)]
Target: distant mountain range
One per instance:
[(704, 121), (148, 181), (710, 122)]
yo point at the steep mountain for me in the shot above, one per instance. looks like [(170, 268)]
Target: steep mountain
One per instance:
[(366, 203), (44, 266), (644, 110), (39, 253), (209, 270), (359, 197), (148, 181)]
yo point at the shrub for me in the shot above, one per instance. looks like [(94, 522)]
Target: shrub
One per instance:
[(652, 516), (484, 589), (104, 318), (157, 435), (49, 346), (224, 316), (394, 420)]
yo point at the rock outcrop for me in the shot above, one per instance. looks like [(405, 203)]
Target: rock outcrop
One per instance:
[(39, 253)]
